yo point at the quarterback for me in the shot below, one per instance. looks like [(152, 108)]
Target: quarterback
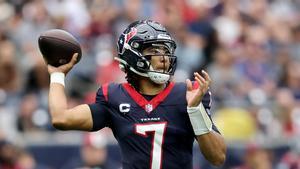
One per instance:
[(154, 120)]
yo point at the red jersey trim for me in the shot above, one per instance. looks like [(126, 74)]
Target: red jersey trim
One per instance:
[(105, 90), (148, 106)]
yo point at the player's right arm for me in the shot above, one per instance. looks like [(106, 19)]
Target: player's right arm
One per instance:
[(77, 118)]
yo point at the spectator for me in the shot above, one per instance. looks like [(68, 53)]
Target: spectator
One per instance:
[(257, 158), (93, 154)]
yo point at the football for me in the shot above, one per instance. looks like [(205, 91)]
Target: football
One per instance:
[(58, 46)]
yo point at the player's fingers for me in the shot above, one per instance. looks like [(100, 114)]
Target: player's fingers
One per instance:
[(189, 84), (205, 81), (74, 59), (206, 76), (202, 84), (199, 82), (202, 80)]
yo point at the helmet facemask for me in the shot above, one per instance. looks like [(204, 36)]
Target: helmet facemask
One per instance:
[(160, 65)]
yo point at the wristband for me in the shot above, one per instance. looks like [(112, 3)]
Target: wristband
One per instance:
[(200, 120), (57, 77)]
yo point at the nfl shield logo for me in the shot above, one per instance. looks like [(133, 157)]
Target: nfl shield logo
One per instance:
[(148, 108)]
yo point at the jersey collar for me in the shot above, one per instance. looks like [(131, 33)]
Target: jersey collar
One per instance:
[(148, 106)]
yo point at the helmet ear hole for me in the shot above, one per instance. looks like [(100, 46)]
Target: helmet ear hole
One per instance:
[(135, 45), (142, 64)]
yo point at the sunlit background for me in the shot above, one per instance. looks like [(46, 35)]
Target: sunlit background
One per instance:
[(251, 49)]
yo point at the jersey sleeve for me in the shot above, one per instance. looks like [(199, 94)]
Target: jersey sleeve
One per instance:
[(100, 110), (206, 101)]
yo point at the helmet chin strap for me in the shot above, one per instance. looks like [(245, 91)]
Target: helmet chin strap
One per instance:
[(157, 77)]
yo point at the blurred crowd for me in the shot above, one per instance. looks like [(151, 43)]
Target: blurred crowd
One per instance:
[(251, 49)]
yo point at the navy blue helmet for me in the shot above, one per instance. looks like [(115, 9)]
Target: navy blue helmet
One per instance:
[(138, 36)]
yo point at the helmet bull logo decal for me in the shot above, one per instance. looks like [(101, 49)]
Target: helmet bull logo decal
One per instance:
[(124, 38), (131, 34)]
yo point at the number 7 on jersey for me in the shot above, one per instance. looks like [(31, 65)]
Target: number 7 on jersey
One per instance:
[(158, 130)]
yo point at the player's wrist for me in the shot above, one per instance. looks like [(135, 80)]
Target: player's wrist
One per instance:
[(200, 120), (195, 102), (57, 77)]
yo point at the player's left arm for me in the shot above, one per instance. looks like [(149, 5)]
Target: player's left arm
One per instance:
[(211, 143), (213, 147)]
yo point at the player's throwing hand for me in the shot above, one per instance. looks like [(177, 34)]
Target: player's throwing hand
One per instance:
[(64, 68)]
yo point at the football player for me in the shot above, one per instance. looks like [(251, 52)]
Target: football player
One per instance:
[(154, 120)]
